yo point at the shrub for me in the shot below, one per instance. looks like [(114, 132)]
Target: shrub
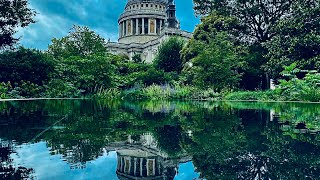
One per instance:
[(25, 65), (57, 88), (4, 90), (169, 58)]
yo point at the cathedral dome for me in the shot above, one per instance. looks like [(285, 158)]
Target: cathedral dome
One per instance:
[(130, 2), (142, 20)]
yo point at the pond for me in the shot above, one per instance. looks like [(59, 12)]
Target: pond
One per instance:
[(86, 139)]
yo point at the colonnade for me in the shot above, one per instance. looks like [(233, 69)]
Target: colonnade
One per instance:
[(140, 26), (138, 167)]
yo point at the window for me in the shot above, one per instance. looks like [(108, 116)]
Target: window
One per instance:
[(141, 5), (147, 5)]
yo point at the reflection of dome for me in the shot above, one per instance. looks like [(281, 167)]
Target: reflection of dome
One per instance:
[(138, 164)]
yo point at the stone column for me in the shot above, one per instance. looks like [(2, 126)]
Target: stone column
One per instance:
[(127, 29), (149, 20), (135, 167), (155, 26), (137, 26), (142, 25), (160, 26), (141, 166), (123, 29), (131, 28)]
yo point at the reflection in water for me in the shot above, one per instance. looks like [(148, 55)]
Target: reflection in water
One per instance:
[(151, 140), (142, 159)]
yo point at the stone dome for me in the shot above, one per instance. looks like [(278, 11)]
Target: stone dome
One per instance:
[(142, 20), (130, 2)]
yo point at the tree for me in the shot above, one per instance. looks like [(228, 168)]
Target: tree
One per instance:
[(81, 41), (206, 32), (256, 17), (25, 65), (297, 39), (88, 73), (218, 65), (168, 58), (13, 14)]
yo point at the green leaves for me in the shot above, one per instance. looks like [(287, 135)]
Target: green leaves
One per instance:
[(81, 41), (218, 65), (168, 58), (296, 40), (25, 65), (14, 14)]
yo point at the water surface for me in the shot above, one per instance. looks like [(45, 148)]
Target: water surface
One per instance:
[(86, 139)]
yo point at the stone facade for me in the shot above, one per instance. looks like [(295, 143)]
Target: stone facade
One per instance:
[(144, 25)]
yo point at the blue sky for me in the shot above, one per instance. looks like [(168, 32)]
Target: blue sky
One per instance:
[(56, 17)]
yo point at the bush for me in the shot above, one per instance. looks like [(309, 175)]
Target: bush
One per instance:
[(25, 65), (59, 89), (295, 89), (169, 58), (252, 96), (169, 92), (4, 90)]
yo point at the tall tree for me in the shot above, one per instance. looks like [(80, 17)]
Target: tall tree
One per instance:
[(81, 41), (13, 14), (256, 17), (297, 39), (168, 58)]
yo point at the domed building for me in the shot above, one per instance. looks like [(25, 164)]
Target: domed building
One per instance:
[(143, 25)]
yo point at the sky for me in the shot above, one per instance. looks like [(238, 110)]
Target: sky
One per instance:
[(56, 17)]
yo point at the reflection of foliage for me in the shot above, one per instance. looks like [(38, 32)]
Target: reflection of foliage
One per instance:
[(169, 138), (7, 170), (226, 140), (216, 136)]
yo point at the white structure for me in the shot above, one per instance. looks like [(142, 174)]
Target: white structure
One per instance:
[(144, 25)]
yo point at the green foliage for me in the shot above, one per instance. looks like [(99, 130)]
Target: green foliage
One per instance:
[(253, 96), (137, 58), (87, 73), (81, 41), (169, 58), (218, 65), (206, 32), (167, 92), (14, 14), (25, 65), (295, 89), (58, 88), (256, 17), (107, 93), (26, 89), (297, 39), (4, 90)]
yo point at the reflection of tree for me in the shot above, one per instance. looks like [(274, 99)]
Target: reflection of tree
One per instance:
[(169, 138), (7, 170), (226, 141), (242, 144), (216, 136)]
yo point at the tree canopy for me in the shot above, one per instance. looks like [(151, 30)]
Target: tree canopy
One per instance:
[(81, 41), (13, 14)]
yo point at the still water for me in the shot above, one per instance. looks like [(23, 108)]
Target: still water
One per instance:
[(85, 139)]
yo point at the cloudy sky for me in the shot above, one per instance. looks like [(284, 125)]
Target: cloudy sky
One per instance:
[(56, 17)]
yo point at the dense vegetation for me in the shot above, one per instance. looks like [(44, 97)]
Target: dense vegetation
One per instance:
[(238, 46)]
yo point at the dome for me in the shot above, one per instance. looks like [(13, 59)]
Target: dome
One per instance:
[(130, 2)]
